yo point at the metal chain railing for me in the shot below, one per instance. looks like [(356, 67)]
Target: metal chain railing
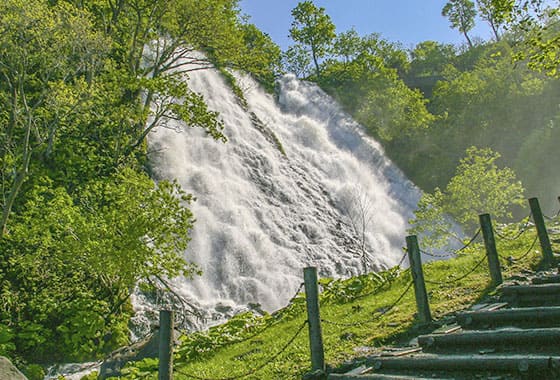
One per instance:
[(436, 255), (300, 287), (524, 254), (450, 281), (260, 367), (553, 217), (453, 252), (253, 336), (379, 288), (360, 323), (523, 229), (401, 261), (265, 328), (504, 237), (472, 240)]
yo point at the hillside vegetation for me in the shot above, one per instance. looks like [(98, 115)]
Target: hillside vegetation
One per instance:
[(84, 82), (429, 104), (359, 316)]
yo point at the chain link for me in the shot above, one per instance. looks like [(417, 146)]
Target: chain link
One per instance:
[(529, 250), (458, 278), (254, 370), (469, 243), (401, 261), (436, 255), (359, 323), (524, 229), (253, 336)]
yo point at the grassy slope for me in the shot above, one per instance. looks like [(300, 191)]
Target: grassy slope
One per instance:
[(214, 355)]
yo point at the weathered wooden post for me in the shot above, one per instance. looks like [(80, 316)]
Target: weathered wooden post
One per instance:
[(314, 319), (165, 345), (418, 277), (491, 251), (548, 257)]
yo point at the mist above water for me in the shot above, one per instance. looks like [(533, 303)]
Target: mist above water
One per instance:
[(294, 186)]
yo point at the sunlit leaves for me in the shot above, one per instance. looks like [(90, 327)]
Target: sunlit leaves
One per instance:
[(392, 109), (478, 187), (312, 28), (461, 14), (75, 262), (538, 21), (82, 84), (295, 60)]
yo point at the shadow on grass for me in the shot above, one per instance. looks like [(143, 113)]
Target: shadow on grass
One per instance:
[(403, 338)]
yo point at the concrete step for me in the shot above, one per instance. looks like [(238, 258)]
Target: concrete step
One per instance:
[(541, 340), (542, 289), (528, 365), (532, 295), (552, 279), (374, 376), (521, 317)]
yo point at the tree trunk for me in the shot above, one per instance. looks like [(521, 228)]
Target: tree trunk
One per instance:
[(26, 158), (495, 30), (468, 40), (18, 182), (317, 70)]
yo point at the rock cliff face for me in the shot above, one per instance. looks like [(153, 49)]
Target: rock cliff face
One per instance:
[(8, 371)]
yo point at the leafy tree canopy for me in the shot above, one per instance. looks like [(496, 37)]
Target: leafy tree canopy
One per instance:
[(461, 14), (313, 29), (540, 34), (479, 186), (82, 84)]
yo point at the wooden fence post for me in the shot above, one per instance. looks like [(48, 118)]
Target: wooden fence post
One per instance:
[(418, 277), (548, 257), (314, 319), (491, 251), (165, 345)]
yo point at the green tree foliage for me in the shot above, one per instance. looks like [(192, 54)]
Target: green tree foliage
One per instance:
[(392, 109), (428, 61), (429, 58), (480, 98), (489, 13), (495, 104), (82, 84), (537, 20), (69, 265), (536, 163), (368, 84), (152, 42), (392, 54), (48, 59), (313, 29), (479, 186), (295, 60), (347, 45), (461, 14), (265, 65)]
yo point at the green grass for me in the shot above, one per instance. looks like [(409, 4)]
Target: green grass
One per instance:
[(352, 322)]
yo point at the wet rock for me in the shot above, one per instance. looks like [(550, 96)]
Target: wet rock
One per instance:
[(145, 348), (315, 375), (8, 371)]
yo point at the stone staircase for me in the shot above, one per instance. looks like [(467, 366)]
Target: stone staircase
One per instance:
[(517, 337)]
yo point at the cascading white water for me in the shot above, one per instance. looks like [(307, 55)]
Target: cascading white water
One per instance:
[(263, 215)]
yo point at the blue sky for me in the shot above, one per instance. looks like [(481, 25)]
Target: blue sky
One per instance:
[(405, 21)]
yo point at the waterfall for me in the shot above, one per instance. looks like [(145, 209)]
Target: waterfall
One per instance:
[(297, 184)]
